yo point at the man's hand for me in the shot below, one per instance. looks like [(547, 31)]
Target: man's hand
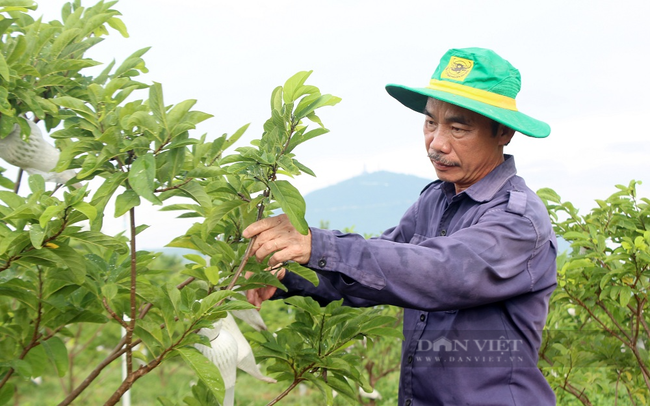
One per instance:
[(278, 236), (258, 295)]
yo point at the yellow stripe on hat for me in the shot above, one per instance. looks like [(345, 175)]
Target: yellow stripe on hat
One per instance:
[(482, 96)]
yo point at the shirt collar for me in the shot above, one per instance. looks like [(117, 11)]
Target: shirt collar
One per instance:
[(485, 189)]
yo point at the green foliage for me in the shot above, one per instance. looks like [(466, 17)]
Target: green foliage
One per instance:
[(61, 275), (315, 348), (597, 334)]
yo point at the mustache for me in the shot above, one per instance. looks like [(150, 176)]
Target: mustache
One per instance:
[(440, 159)]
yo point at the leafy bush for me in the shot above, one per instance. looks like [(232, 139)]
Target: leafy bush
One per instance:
[(595, 348), (65, 285)]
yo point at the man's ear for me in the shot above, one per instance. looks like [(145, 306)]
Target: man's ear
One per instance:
[(505, 134)]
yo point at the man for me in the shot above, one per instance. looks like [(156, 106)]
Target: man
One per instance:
[(472, 261)]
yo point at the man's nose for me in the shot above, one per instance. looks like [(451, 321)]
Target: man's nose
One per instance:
[(439, 141)]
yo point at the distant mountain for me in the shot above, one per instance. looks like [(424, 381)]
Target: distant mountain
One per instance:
[(370, 203)]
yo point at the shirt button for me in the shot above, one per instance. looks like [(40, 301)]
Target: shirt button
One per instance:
[(422, 317), (408, 402), (443, 232), (410, 359), (322, 263)]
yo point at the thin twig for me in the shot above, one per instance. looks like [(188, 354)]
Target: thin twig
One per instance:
[(37, 325), (285, 392), (115, 354), (249, 248), (113, 314), (18, 180), (145, 369), (181, 285), (131, 327)]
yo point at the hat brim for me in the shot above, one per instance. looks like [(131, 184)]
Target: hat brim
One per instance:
[(416, 99)]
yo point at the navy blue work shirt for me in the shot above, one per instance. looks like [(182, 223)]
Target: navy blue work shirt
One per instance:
[(474, 272)]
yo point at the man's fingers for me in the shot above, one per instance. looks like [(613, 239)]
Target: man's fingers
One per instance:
[(253, 297), (257, 296), (276, 237), (261, 249), (262, 225)]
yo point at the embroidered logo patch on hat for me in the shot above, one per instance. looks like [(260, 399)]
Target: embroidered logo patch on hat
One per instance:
[(457, 69)]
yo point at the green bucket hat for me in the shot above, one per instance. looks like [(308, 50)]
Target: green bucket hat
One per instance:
[(479, 80)]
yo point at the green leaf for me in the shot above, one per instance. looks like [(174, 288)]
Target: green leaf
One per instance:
[(61, 257), (307, 304), (206, 371), (58, 354), (549, 194), (49, 213), (119, 26), (4, 68), (104, 194), (339, 384), (625, 295), (236, 136), (322, 101), (134, 61), (292, 204), (11, 199), (125, 202), (195, 258), (297, 140), (322, 386), (99, 240), (305, 272), (87, 209), (36, 183), (303, 168), (146, 122), (36, 235), (197, 192), (20, 291), (142, 176), (65, 38), (220, 210), (208, 302), (177, 118), (293, 84), (110, 290), (7, 393), (156, 103), (22, 368), (385, 332), (76, 105), (212, 273)]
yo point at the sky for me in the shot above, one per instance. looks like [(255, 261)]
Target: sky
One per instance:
[(582, 65)]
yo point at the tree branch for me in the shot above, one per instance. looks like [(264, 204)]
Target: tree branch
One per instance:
[(117, 352), (285, 392), (37, 325), (18, 180), (114, 315), (593, 315), (132, 299)]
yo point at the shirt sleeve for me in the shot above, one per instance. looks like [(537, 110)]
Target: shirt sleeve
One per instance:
[(501, 256)]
